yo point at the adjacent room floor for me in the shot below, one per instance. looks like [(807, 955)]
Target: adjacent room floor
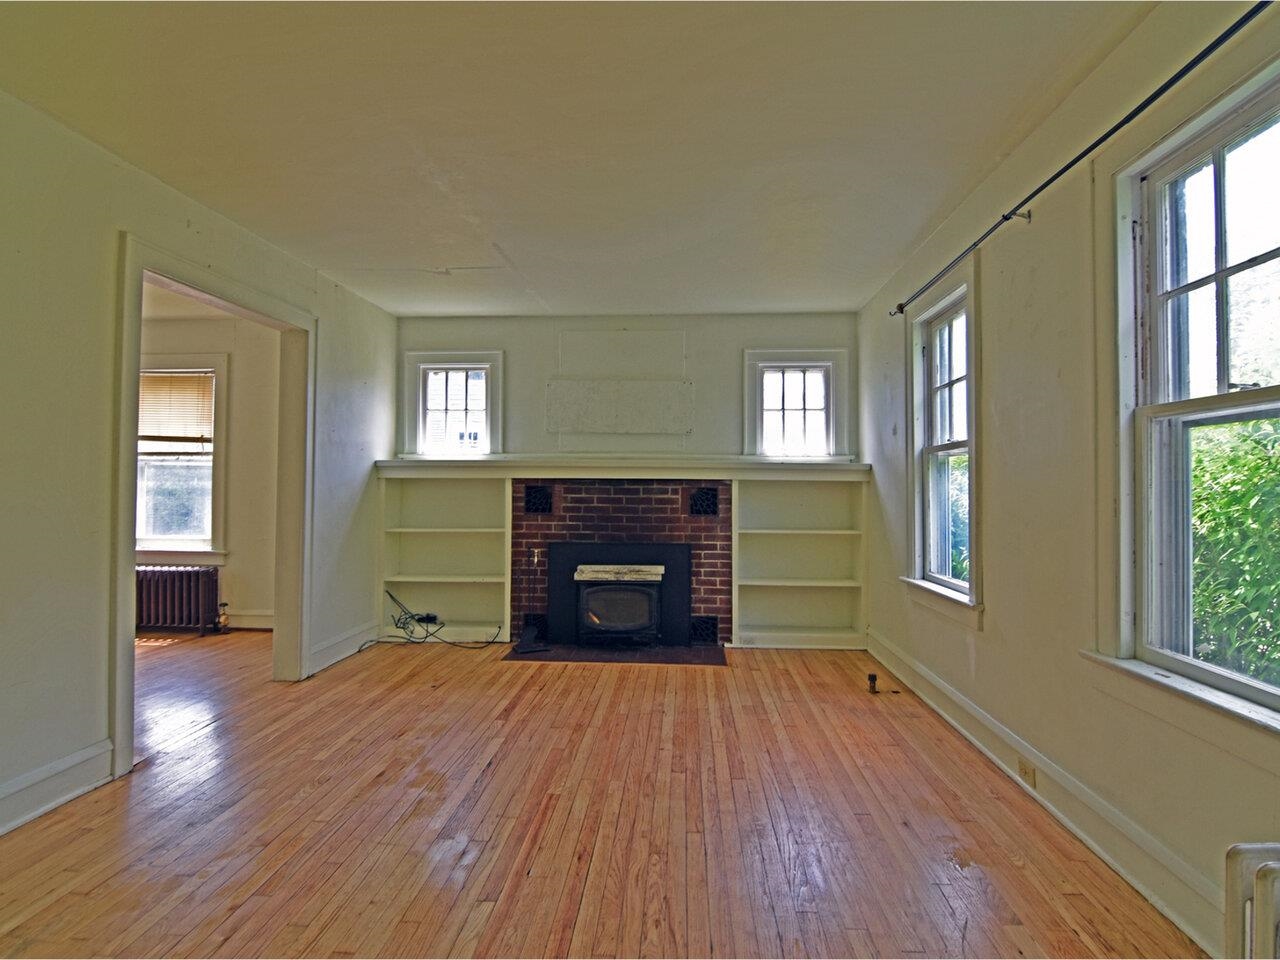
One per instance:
[(429, 800)]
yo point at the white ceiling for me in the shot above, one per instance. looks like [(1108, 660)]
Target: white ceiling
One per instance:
[(568, 158)]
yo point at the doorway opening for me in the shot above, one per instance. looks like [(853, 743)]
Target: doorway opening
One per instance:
[(212, 494), (208, 389)]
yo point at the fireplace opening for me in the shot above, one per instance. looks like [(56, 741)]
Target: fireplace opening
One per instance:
[(616, 611), (618, 593)]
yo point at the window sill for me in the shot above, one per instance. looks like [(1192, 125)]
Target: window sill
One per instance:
[(952, 604), (181, 558), (1225, 703)]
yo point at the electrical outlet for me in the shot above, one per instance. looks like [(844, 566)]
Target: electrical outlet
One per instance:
[(1027, 773)]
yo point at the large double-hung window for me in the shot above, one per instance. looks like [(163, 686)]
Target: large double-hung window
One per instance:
[(1208, 414), (176, 460), (945, 452)]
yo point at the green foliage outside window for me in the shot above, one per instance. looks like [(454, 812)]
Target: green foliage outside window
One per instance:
[(1235, 521)]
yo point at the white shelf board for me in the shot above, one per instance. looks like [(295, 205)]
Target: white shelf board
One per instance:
[(792, 531), (775, 635), (446, 530), (786, 630), (795, 582), (441, 578), (635, 466)]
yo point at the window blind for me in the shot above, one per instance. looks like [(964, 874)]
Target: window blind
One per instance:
[(176, 406)]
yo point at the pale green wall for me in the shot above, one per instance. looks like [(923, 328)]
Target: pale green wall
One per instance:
[(1160, 784), (63, 205), (707, 350)]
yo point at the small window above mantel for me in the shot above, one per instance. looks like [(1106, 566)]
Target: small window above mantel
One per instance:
[(452, 404), (795, 403)]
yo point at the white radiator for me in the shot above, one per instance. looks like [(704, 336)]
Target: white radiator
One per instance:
[(1253, 901)]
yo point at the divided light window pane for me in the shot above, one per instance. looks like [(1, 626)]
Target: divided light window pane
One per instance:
[(815, 389), (942, 353), (1252, 186), (1253, 298), (1190, 226), (941, 432), (960, 411), (1193, 342)]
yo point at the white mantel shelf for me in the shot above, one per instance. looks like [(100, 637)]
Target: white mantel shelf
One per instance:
[(586, 466)]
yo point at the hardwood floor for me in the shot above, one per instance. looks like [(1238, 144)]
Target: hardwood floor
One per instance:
[(432, 801)]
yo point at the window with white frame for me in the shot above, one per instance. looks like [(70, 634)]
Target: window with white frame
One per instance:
[(455, 415), (1208, 405), (175, 509), (793, 411), (454, 399), (794, 403), (945, 453)]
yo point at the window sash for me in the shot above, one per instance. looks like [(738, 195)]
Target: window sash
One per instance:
[(1167, 376), (468, 413), (782, 420), (151, 480), (1165, 555), (940, 439)]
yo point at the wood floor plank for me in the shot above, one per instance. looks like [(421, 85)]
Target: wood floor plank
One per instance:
[(437, 801)]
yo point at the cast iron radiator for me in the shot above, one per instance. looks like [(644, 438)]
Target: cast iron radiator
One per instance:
[(178, 597)]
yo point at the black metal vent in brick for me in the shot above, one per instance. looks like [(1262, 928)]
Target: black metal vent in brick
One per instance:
[(704, 629), (537, 499), (704, 502), (538, 620)]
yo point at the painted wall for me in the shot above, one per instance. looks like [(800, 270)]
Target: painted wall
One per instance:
[(63, 205), (1159, 783), (247, 577), (707, 350)]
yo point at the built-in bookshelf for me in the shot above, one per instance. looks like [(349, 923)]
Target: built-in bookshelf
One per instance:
[(446, 550), (797, 542), (798, 562)]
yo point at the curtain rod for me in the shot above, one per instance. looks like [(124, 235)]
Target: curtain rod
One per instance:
[(1017, 210)]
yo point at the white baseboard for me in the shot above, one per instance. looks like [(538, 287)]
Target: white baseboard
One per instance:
[(328, 652), (796, 638), (38, 791), (251, 619), (799, 644), (1180, 891)]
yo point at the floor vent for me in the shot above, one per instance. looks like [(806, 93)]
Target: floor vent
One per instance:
[(704, 629)]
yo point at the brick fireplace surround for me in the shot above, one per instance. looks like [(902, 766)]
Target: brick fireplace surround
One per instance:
[(621, 511)]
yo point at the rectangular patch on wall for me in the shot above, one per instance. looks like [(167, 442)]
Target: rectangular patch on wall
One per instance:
[(626, 354), (620, 406)]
